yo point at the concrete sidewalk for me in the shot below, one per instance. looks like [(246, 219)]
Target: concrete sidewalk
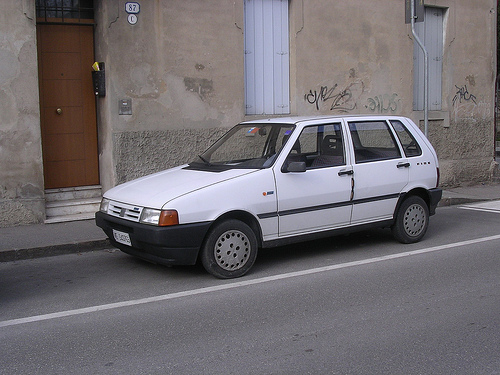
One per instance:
[(40, 240), (468, 194)]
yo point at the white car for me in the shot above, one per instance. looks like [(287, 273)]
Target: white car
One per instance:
[(271, 182)]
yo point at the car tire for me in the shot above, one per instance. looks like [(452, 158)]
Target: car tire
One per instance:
[(411, 221), (229, 250)]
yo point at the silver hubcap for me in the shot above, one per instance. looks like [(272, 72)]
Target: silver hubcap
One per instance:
[(232, 250), (414, 220)]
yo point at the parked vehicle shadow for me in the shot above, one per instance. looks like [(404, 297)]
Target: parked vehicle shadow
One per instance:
[(333, 246)]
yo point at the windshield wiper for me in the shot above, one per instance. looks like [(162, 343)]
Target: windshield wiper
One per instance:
[(204, 160)]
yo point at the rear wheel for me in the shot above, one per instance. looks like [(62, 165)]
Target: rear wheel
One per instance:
[(229, 250), (412, 220)]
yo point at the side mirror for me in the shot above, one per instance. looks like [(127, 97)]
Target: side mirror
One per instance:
[(296, 167)]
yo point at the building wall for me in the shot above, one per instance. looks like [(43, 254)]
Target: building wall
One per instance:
[(359, 55), (182, 67), (21, 173)]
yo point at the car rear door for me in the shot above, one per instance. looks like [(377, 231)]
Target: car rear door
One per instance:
[(381, 171)]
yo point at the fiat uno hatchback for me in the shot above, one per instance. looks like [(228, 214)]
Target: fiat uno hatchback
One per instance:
[(272, 182)]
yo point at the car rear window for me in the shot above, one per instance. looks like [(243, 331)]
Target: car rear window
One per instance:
[(373, 141), (409, 143)]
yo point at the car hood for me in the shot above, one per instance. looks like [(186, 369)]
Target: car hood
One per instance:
[(155, 190)]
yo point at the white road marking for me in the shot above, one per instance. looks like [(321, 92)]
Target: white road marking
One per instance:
[(238, 284), (489, 206)]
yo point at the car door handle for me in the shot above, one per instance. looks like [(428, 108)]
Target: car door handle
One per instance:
[(346, 172), (403, 165)]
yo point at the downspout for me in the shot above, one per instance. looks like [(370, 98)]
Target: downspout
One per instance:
[(426, 69)]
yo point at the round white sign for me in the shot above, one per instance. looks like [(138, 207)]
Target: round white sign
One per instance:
[(132, 19)]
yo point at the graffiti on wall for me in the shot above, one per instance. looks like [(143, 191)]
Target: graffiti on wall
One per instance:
[(467, 106), (383, 103), (341, 99), (463, 95)]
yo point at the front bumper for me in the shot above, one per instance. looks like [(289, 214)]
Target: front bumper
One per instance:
[(175, 245)]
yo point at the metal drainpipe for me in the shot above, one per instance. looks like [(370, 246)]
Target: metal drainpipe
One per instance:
[(426, 70)]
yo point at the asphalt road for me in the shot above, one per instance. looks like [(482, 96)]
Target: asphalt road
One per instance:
[(356, 304)]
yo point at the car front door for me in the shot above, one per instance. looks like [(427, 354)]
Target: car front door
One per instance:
[(317, 195), (380, 171)]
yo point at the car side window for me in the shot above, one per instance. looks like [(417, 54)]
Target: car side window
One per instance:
[(319, 146), (373, 141), (409, 143)]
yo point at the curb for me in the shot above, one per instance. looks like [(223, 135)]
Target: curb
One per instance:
[(53, 250), (453, 201)]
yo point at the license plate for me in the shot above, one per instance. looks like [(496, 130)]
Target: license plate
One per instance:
[(122, 237)]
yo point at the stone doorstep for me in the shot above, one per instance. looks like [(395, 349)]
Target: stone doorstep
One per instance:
[(72, 207), (82, 192), (72, 204)]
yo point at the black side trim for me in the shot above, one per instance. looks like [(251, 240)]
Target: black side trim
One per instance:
[(314, 208), (374, 199), (327, 233), (267, 215), (294, 211)]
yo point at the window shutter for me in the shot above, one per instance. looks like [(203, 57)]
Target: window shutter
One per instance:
[(266, 57), (431, 33)]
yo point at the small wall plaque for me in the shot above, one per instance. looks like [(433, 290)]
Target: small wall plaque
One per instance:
[(125, 107)]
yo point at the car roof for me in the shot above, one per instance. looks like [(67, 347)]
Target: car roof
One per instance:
[(302, 119)]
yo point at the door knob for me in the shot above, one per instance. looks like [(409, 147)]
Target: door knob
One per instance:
[(59, 111)]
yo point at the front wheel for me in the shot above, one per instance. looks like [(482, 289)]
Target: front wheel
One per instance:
[(412, 220), (229, 250)]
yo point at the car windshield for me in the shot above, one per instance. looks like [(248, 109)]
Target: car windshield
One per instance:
[(246, 146)]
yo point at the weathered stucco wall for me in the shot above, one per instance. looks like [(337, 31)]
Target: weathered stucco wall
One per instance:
[(357, 57), (465, 140), (351, 57), (21, 176), (182, 67)]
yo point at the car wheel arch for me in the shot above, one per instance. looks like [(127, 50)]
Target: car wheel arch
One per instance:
[(244, 217), (419, 192)]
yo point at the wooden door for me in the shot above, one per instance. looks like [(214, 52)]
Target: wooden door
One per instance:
[(67, 105)]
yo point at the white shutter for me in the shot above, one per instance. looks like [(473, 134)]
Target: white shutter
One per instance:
[(431, 33), (266, 57)]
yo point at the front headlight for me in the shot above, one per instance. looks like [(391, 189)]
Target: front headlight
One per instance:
[(161, 218), (150, 216), (104, 205)]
